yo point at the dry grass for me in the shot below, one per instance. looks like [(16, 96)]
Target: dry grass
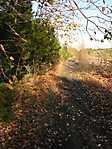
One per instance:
[(52, 101)]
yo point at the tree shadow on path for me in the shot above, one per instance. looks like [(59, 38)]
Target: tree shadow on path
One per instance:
[(79, 118), (92, 114)]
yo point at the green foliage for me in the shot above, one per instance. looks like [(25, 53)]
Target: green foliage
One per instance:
[(24, 42), (15, 28), (43, 46), (64, 54), (6, 99)]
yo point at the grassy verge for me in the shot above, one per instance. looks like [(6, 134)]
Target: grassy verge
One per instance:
[(64, 54), (6, 100)]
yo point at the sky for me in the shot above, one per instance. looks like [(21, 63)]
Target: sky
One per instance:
[(83, 41), (80, 38), (94, 12)]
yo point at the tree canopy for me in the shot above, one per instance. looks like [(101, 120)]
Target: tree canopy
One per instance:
[(93, 17), (27, 36), (23, 40)]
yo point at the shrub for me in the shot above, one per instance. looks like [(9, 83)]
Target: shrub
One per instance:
[(6, 99), (24, 42)]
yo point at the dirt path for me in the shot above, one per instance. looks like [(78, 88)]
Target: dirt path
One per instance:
[(92, 96), (67, 109)]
